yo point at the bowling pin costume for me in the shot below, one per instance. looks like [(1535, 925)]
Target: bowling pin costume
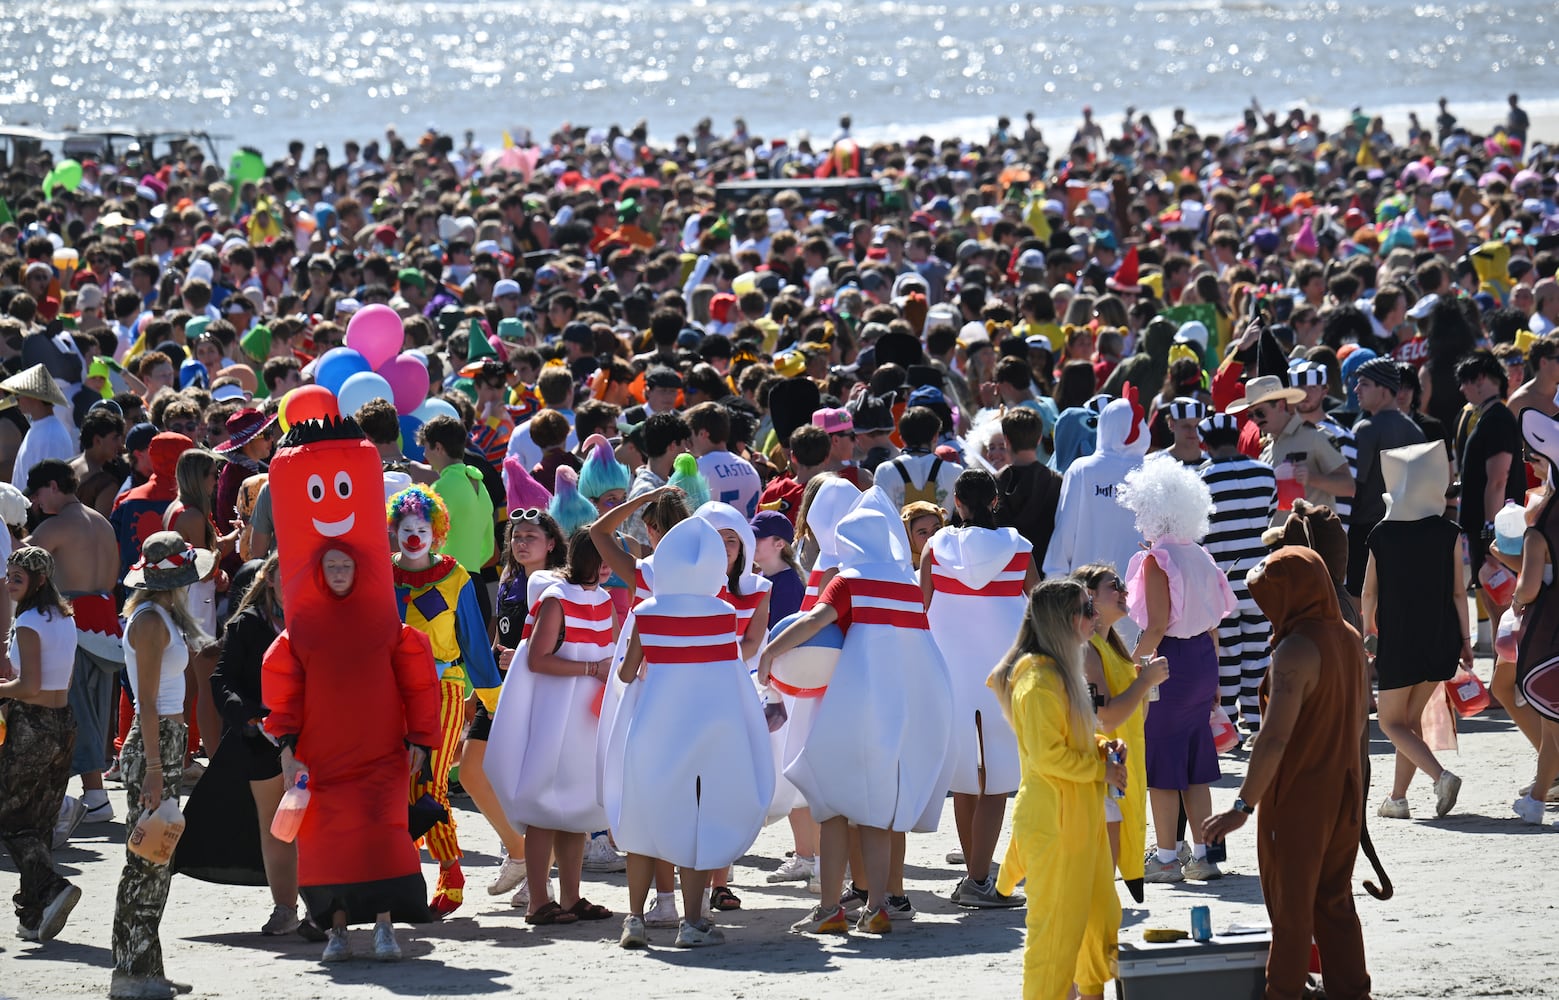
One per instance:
[(347, 699), (832, 501), (541, 753), (977, 606), (440, 602), (688, 775), (876, 750)]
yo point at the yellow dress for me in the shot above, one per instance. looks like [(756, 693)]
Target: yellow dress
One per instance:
[(1059, 843), (1119, 673)]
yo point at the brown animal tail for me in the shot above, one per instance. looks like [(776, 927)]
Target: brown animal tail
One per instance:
[(1384, 890)]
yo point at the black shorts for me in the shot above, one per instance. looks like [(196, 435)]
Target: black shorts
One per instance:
[(262, 758), (481, 724)]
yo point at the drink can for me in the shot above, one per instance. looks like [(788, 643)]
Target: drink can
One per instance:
[(1201, 924), (1152, 691), (1116, 793)]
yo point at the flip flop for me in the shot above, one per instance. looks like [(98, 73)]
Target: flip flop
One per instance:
[(586, 910), (552, 913)]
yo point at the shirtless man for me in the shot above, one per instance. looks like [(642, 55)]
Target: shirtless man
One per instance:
[(1537, 393), (99, 468), (86, 561)]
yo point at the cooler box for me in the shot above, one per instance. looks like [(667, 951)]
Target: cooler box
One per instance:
[(1229, 967)]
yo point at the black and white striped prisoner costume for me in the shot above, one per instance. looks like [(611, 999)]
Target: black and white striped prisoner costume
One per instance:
[(1244, 500)]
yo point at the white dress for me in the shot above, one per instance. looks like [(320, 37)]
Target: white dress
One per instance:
[(877, 748), (688, 774), (977, 607), (541, 752)]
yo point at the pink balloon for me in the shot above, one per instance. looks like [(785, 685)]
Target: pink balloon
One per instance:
[(376, 333), (408, 380)]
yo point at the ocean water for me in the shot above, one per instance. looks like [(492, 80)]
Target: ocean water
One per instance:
[(265, 72)]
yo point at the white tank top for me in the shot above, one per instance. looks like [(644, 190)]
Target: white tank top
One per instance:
[(170, 680), (56, 634)]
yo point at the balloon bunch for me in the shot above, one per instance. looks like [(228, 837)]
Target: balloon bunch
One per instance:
[(371, 366)]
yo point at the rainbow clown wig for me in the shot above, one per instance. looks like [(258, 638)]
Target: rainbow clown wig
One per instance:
[(424, 502), (601, 472)]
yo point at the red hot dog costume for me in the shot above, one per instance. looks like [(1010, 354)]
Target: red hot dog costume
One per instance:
[(347, 684)]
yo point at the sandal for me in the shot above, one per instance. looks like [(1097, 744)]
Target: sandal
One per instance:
[(550, 914), (586, 910), (722, 898)]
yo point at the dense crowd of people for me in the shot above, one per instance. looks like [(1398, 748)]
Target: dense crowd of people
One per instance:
[(982, 470)]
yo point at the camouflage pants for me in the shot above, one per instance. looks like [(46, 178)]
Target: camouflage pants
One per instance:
[(143, 886), (34, 769)]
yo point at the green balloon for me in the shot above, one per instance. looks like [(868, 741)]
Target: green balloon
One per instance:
[(68, 174), (246, 166), (50, 182)]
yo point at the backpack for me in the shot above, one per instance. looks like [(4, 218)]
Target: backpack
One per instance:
[(912, 492)]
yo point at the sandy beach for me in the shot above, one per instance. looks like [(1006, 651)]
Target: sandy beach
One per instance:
[(1469, 918)]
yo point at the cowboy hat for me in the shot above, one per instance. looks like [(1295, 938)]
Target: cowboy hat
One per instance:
[(35, 383), (1263, 388)]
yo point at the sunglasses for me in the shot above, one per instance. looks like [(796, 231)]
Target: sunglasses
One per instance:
[(1088, 610), (526, 513), (843, 434), (1118, 585)]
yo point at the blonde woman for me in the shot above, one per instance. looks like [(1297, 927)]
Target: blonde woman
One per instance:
[(159, 634), (1058, 837)]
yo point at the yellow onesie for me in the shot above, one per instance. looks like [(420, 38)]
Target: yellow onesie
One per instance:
[(1119, 673), (1059, 843)]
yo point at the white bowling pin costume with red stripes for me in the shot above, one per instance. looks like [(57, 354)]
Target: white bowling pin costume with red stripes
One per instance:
[(506, 736), (643, 578), (833, 500), (541, 753), (688, 772), (877, 748), (977, 606), (754, 587)]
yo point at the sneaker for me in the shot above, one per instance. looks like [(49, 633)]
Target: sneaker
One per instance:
[(386, 948), (1201, 870), (193, 772), (794, 868), (1395, 809), (1184, 853), (284, 920), (955, 857), (852, 899), (1154, 870), (815, 884), (57, 911), (875, 922), (72, 811), (510, 875), (900, 908), (337, 948), (26, 933), (600, 856), (179, 989), (103, 812), (699, 935), (309, 931), (822, 921), (521, 895), (1529, 809), (633, 935), (124, 986), (662, 914), (114, 773), (1445, 791), (984, 895)]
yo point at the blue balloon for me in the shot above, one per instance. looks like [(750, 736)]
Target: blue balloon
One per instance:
[(434, 407), (361, 388), (337, 365), (409, 446), (830, 636)]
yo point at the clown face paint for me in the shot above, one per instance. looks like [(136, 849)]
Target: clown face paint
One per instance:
[(414, 537)]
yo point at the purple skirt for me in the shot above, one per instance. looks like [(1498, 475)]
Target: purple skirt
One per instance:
[(1180, 750)]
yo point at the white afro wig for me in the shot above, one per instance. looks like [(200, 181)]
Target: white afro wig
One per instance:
[(1171, 502)]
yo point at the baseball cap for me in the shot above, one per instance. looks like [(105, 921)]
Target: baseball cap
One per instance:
[(139, 437), (773, 524), (508, 286), (579, 333), (661, 377), (834, 419)]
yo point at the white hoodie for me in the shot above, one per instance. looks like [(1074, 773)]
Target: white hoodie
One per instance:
[(1091, 526)]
